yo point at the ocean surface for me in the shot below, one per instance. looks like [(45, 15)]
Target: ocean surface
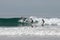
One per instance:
[(20, 29), (25, 21)]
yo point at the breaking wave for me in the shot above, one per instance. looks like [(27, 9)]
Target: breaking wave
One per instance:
[(38, 31), (48, 21), (22, 22), (51, 26)]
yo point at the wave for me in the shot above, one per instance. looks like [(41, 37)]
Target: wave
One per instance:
[(26, 21), (48, 21), (13, 22), (38, 31)]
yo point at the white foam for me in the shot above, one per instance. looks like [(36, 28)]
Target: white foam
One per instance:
[(50, 21), (41, 31)]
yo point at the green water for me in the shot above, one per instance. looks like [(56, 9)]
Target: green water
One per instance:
[(12, 22)]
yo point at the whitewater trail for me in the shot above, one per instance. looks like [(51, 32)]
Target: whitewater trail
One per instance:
[(48, 21), (39, 31)]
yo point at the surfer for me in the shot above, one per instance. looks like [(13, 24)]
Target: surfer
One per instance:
[(43, 22), (32, 22), (23, 18)]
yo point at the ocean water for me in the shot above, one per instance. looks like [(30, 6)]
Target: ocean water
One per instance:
[(25, 21), (29, 33), (18, 29)]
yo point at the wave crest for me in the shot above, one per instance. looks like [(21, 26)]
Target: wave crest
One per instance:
[(48, 21)]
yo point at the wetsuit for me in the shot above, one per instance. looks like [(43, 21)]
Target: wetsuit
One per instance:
[(43, 22), (31, 23)]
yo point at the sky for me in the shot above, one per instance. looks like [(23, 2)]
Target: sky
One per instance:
[(39, 8)]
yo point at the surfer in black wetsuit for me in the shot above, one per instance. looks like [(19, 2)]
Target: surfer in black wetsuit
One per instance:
[(43, 22), (23, 18), (31, 23)]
